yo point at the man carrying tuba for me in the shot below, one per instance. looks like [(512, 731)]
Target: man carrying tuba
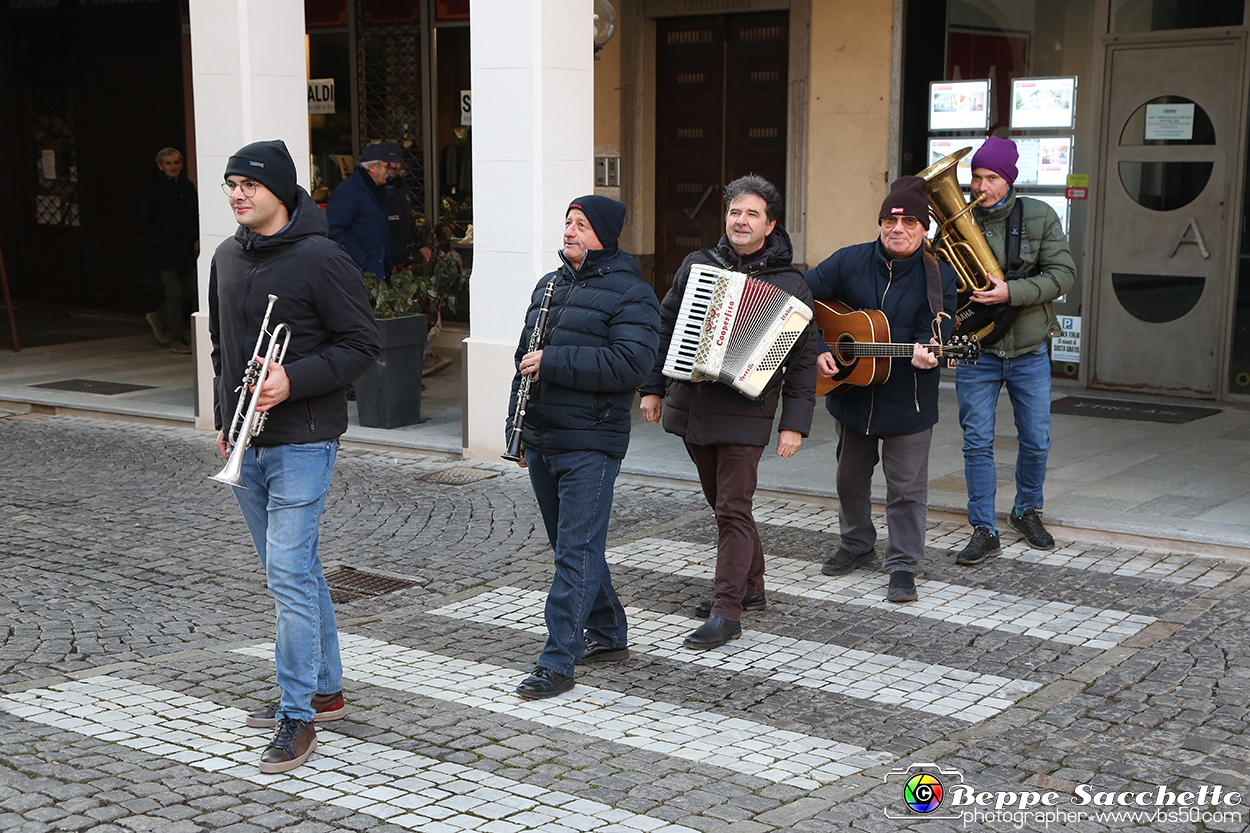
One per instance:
[(1040, 272), (281, 249)]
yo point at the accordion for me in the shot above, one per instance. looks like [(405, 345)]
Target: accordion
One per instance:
[(734, 329)]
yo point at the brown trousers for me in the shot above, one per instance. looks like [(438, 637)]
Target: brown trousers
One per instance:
[(728, 475)]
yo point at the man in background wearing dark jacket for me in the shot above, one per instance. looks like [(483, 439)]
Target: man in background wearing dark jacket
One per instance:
[(168, 214), (891, 422), (359, 210), (599, 344), (724, 431), (281, 248)]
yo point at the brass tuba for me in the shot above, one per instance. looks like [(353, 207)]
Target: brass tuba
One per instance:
[(960, 243)]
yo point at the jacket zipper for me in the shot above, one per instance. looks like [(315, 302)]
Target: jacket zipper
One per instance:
[(872, 397)]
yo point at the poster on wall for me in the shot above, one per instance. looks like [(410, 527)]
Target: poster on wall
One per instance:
[(1173, 122), (1044, 160), (1045, 103), (959, 105), (941, 148)]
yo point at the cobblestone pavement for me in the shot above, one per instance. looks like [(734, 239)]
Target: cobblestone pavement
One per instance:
[(135, 632)]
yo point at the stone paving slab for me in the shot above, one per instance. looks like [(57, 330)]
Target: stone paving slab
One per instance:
[(134, 626)]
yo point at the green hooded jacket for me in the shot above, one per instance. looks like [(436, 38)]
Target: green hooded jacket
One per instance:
[(1042, 242)]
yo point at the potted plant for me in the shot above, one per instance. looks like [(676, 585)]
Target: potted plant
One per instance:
[(388, 395), (441, 278)]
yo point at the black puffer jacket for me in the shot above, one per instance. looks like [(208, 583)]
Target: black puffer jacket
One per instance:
[(709, 413), (334, 337), (864, 277), (602, 333)]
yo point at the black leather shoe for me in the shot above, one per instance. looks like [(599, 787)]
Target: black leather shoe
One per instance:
[(544, 683), (982, 545), (844, 561), (902, 587), (713, 633), (603, 653), (755, 601)]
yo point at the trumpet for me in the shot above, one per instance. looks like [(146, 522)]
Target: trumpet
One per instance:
[(249, 422)]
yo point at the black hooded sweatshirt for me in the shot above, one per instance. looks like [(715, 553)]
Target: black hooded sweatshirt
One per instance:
[(334, 337)]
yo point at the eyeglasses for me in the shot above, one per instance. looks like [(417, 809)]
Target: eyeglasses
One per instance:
[(908, 222), (247, 186)]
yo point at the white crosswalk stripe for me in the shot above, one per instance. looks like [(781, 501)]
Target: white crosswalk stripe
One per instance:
[(403, 788), (934, 689), (744, 746), (1073, 624), (1121, 561)]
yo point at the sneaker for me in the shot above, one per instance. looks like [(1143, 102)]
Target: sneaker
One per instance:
[(844, 561), (902, 587), (1029, 524), (179, 346), (291, 745), (327, 707), (984, 543), (158, 329)]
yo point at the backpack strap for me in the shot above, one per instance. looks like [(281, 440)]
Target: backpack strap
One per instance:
[(1014, 223)]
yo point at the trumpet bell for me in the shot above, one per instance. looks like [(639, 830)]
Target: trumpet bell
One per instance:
[(232, 473)]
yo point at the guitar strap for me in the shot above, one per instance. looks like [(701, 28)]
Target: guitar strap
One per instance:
[(933, 283)]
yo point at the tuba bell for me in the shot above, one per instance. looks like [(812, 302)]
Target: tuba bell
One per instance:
[(960, 243)]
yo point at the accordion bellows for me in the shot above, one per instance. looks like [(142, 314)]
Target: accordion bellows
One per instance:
[(734, 329)]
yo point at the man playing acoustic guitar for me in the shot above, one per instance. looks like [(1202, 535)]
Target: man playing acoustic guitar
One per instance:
[(892, 420)]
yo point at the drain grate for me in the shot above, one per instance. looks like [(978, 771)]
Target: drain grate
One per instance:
[(459, 476), (347, 584), (92, 386)]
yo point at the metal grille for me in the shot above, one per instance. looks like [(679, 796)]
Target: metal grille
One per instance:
[(52, 138), (459, 476), (389, 94), (347, 584), (93, 386)]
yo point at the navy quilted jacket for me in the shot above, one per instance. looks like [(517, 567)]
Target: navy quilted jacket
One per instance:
[(603, 331)]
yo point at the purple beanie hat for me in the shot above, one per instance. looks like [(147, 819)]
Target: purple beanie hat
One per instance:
[(999, 156)]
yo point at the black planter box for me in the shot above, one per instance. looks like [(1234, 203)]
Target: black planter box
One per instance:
[(389, 394)]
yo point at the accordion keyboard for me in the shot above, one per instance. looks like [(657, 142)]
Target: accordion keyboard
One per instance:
[(688, 328)]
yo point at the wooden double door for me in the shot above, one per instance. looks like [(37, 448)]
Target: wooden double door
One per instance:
[(721, 93)]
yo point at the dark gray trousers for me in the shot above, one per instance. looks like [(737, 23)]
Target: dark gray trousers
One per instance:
[(905, 461)]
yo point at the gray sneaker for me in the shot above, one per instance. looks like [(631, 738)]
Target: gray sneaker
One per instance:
[(984, 543)]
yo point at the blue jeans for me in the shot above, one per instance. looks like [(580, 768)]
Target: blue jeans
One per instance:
[(286, 488), (1028, 385), (574, 492)]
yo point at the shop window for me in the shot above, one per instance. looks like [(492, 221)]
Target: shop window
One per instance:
[(1158, 15)]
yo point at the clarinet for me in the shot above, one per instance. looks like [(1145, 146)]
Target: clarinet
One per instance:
[(523, 390)]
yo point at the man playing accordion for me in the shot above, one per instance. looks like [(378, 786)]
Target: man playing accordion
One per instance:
[(724, 431)]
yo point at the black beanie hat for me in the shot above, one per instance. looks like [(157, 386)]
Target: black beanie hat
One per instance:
[(907, 198), (268, 163), (606, 216)]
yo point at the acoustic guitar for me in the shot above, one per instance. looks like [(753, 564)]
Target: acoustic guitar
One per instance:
[(860, 343)]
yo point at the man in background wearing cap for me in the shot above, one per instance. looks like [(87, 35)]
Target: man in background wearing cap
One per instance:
[(359, 210), (725, 432), (891, 422), (599, 344), (281, 248), (1019, 359)]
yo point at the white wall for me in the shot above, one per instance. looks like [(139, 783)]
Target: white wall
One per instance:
[(249, 75), (533, 146)]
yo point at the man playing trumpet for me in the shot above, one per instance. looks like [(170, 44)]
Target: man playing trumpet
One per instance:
[(281, 249)]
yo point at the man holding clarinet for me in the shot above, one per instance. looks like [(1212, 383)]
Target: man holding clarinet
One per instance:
[(580, 370)]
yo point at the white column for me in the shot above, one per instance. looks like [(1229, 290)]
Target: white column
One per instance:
[(533, 152), (249, 77)]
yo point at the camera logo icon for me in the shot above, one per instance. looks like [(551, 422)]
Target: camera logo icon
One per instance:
[(922, 790)]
